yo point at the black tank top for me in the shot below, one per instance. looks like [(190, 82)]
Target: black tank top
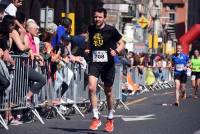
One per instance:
[(15, 50)]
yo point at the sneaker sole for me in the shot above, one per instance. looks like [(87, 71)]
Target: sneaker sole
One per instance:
[(109, 131), (96, 127)]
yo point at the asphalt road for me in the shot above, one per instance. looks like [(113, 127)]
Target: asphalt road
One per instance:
[(147, 115)]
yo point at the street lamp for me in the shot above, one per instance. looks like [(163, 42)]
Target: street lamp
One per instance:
[(164, 23), (154, 13)]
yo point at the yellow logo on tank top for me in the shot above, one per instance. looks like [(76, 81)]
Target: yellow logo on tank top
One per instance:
[(98, 40)]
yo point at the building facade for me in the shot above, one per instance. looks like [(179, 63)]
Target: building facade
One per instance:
[(194, 18), (82, 9), (177, 13)]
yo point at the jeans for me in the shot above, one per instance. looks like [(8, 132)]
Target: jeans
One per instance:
[(38, 79), (4, 83)]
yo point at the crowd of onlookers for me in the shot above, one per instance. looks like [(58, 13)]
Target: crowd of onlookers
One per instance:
[(144, 59), (53, 45)]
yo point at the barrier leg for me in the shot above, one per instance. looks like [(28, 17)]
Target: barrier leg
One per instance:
[(78, 110), (59, 113), (124, 105), (35, 112), (166, 85), (3, 123), (145, 89), (170, 85), (158, 86)]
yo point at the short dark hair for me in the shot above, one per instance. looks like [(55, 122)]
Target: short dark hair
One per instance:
[(83, 28), (2, 8), (66, 22), (7, 22), (21, 17), (101, 10)]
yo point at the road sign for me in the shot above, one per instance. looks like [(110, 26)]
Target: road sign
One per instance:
[(46, 16), (143, 22)]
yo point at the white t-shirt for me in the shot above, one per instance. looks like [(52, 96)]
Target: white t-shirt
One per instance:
[(10, 10)]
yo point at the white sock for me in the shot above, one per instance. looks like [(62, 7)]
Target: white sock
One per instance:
[(110, 114), (95, 113)]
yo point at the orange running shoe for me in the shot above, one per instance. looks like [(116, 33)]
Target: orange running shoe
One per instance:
[(109, 127), (95, 124)]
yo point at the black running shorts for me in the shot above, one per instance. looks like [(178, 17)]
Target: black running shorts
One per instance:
[(182, 77), (195, 75), (105, 70)]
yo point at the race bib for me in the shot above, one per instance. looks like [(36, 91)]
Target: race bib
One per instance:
[(100, 56), (179, 67)]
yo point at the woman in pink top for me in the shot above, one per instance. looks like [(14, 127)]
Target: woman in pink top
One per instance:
[(32, 31)]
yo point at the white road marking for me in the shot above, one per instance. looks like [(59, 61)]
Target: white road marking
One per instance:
[(134, 117)]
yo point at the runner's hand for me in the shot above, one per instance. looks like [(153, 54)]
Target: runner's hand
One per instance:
[(87, 51), (185, 68), (7, 57)]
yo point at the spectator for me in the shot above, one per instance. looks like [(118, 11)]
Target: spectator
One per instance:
[(80, 42), (18, 47), (64, 28), (2, 8), (4, 81), (11, 9), (22, 20), (32, 31)]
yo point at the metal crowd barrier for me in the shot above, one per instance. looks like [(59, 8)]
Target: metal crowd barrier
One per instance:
[(72, 76), (116, 89), (14, 97), (160, 79), (77, 92)]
